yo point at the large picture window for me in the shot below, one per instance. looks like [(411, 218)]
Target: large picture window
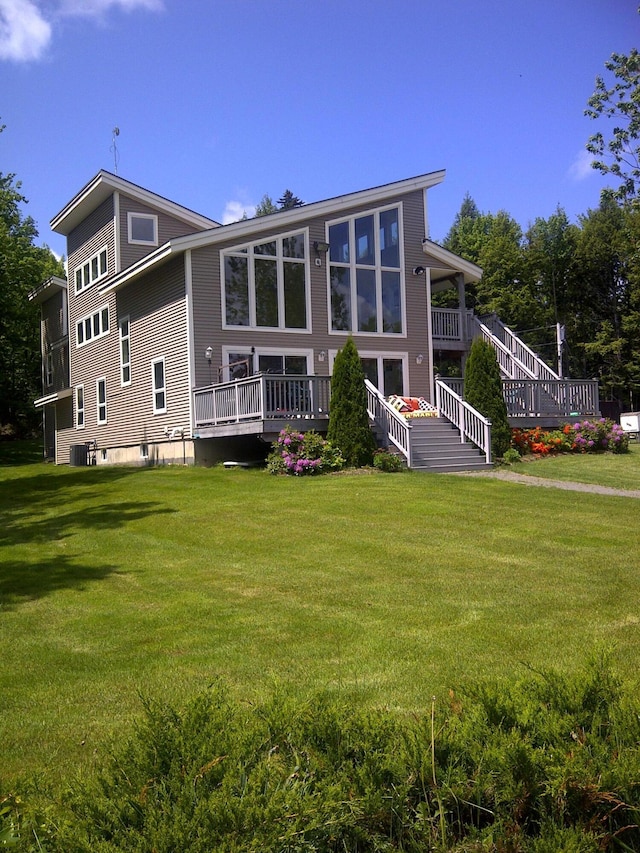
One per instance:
[(265, 284), (365, 274)]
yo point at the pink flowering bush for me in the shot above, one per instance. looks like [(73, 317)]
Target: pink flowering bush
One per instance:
[(299, 453)]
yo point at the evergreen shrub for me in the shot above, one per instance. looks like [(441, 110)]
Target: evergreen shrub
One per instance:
[(349, 427), (483, 391), (549, 763)]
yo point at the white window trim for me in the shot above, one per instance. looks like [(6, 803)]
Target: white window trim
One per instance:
[(100, 421), (352, 265), (123, 364), (380, 356), (78, 409), (154, 390), (101, 334), (280, 261), (258, 351), (131, 215), (84, 284)]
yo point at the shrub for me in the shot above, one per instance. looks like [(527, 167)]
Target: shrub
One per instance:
[(483, 391), (388, 462), (300, 453), (549, 763), (348, 419)]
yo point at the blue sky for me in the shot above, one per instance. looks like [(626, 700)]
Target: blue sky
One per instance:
[(219, 102)]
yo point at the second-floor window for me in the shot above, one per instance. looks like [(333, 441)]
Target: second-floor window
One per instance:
[(265, 284), (364, 272), (92, 326), (92, 270), (125, 352)]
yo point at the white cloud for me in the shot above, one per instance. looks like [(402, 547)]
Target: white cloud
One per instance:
[(92, 8), (235, 210), (24, 33), (581, 167)]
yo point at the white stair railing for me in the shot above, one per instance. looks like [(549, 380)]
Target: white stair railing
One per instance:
[(471, 424), (395, 427), (516, 359)]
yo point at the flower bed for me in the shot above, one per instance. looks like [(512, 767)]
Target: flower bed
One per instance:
[(581, 437)]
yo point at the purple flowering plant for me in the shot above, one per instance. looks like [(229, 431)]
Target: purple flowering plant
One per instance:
[(298, 453)]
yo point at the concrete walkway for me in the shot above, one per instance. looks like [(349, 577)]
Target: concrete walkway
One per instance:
[(514, 477)]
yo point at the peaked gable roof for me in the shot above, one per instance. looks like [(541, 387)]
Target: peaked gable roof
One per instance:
[(105, 184)]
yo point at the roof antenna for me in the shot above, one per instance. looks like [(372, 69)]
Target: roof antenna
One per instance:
[(114, 149)]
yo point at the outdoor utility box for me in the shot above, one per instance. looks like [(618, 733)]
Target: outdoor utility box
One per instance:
[(78, 454), (630, 422)]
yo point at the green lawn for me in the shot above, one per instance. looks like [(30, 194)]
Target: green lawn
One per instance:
[(118, 582), (621, 471)]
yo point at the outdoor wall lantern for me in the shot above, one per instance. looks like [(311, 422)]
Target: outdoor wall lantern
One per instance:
[(322, 355), (419, 358), (208, 353), (418, 270)]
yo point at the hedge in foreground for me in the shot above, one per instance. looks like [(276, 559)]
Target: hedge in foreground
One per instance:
[(549, 764)]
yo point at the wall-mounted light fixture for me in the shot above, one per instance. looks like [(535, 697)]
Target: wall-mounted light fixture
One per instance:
[(419, 358), (208, 354), (322, 355), (418, 270), (320, 247)]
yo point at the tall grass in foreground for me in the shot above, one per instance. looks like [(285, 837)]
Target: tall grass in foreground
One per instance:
[(384, 590)]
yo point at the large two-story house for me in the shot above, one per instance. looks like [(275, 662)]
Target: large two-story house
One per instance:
[(174, 334)]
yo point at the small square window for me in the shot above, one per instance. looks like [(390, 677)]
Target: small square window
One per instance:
[(143, 228)]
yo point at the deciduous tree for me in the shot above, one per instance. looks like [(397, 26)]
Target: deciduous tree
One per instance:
[(23, 266), (618, 154)]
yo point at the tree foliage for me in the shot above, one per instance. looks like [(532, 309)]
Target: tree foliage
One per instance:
[(289, 201), (348, 420), (23, 266), (618, 155), (266, 206), (483, 391)]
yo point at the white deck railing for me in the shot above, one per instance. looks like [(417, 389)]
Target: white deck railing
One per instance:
[(516, 359), (395, 427), (471, 424), (262, 397)]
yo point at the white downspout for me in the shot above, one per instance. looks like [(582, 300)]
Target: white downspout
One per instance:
[(188, 292)]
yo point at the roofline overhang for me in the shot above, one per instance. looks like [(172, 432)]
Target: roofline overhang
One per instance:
[(52, 398), (244, 228), (45, 290), (449, 260), (105, 184)]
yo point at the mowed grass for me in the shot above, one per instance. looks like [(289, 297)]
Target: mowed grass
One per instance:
[(117, 583), (618, 471)]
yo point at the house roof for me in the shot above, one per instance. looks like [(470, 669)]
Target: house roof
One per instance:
[(283, 219), (47, 289), (448, 264), (105, 184)]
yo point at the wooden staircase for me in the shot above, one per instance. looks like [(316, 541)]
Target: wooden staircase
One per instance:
[(436, 447)]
